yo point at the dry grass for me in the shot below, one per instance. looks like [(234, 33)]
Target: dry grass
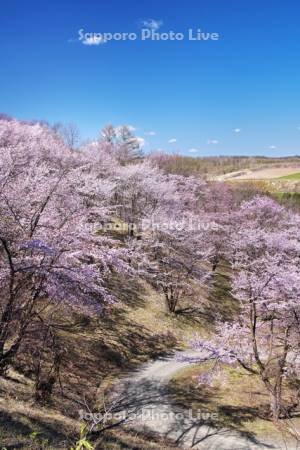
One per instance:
[(239, 399), (97, 352)]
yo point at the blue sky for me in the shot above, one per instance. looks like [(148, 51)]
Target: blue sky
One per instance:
[(237, 95)]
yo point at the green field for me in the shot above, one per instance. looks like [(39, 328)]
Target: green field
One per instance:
[(292, 176)]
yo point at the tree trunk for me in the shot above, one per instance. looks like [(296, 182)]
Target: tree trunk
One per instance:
[(44, 389), (276, 401), (6, 356), (275, 407), (215, 263)]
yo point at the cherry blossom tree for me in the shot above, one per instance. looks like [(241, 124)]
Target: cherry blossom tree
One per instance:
[(141, 192), (264, 339), (174, 238), (50, 251), (175, 265), (219, 205)]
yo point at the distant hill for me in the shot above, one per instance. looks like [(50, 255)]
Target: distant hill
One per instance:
[(220, 165)]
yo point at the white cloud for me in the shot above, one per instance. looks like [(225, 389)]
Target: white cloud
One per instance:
[(131, 128), (193, 150), (272, 147), (237, 130), (212, 141), (172, 141), (152, 24), (150, 133), (93, 40)]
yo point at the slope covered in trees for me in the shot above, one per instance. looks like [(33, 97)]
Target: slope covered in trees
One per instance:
[(87, 234)]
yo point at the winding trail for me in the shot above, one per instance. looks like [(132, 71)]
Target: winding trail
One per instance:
[(148, 402)]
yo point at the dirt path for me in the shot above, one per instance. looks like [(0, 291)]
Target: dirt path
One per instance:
[(153, 409)]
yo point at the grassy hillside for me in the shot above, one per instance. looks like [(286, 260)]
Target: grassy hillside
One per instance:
[(97, 353), (293, 176), (238, 399)]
